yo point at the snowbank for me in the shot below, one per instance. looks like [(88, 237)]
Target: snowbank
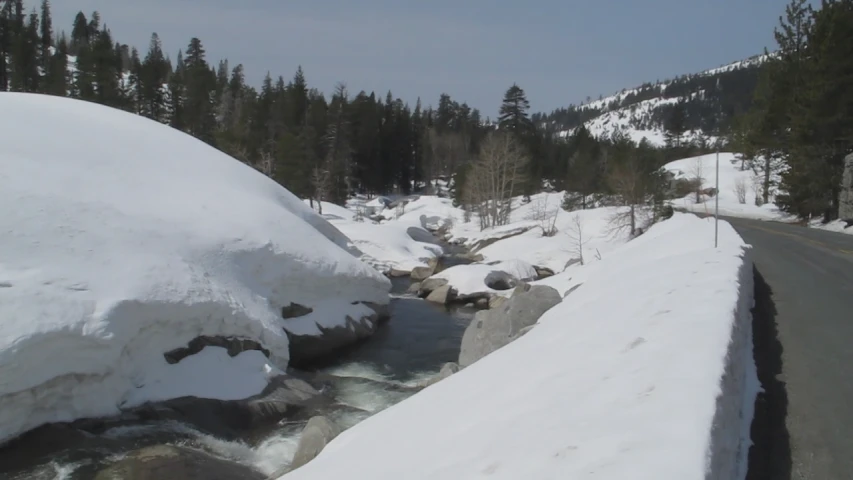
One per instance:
[(645, 371), (731, 177), (124, 239), (475, 278)]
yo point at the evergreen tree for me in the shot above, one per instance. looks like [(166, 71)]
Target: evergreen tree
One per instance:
[(46, 36), (177, 94), (514, 115), (79, 34), (200, 87), (153, 75), (5, 43)]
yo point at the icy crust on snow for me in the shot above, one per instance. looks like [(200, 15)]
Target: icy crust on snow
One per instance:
[(642, 372), (124, 239)]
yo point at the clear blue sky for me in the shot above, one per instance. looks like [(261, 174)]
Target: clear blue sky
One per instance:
[(559, 51)]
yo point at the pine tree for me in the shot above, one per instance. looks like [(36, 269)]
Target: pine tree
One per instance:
[(46, 36), (57, 80), (298, 100), (177, 95), (514, 116), (5, 43), (675, 127), (200, 87), (79, 34), (153, 75)]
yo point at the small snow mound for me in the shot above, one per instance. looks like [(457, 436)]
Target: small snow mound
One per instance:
[(124, 239)]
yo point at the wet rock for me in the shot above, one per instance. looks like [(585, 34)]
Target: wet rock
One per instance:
[(233, 345), (305, 349), (543, 272), (447, 370), (492, 329), (482, 303), (421, 273), (396, 273), (295, 310), (414, 288), (317, 434), (431, 284), (442, 295), (165, 462)]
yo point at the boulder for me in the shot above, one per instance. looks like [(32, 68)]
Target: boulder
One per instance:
[(492, 329), (482, 303), (305, 349), (414, 288), (500, 280), (845, 207), (420, 274), (295, 310), (442, 295), (396, 273), (233, 345), (167, 462), (481, 244), (317, 434), (497, 301), (447, 370), (431, 284), (543, 272)]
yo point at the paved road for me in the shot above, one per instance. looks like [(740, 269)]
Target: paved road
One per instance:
[(804, 350)]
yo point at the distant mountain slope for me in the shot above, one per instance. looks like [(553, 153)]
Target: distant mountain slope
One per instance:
[(708, 100)]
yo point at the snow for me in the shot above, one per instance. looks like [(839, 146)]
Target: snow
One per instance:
[(124, 239), (471, 279), (644, 371), (838, 226), (730, 176)]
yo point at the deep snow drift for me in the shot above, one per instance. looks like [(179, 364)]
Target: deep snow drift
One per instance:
[(644, 371), (123, 239)]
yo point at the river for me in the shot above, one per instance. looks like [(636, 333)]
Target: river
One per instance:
[(366, 378)]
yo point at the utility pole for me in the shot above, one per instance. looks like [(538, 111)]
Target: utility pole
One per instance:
[(717, 194)]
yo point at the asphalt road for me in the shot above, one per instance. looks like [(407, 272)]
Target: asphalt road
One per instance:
[(803, 326)]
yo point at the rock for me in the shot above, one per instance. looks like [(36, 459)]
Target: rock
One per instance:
[(492, 329), (317, 434), (398, 273), (295, 310), (479, 245), (543, 272), (482, 303), (442, 295), (420, 274), (497, 301), (522, 332), (447, 370), (233, 345), (166, 462), (845, 207), (500, 280), (431, 284), (305, 349), (414, 288)]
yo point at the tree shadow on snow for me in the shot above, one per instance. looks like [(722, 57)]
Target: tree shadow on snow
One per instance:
[(770, 454)]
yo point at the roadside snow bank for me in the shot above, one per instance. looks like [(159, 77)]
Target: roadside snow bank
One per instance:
[(645, 371), (124, 239)]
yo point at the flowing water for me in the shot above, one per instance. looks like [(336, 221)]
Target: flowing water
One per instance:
[(366, 378)]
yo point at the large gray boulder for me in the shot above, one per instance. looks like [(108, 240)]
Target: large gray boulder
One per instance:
[(420, 274), (446, 371), (431, 284), (166, 462), (305, 349), (845, 208), (442, 295), (493, 329), (317, 434)]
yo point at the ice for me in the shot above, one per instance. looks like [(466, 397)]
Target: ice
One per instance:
[(124, 239)]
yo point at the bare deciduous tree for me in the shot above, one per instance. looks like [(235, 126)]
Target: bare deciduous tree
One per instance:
[(321, 183), (740, 190), (495, 177), (697, 172), (544, 216), (628, 181), (575, 234), (266, 164)]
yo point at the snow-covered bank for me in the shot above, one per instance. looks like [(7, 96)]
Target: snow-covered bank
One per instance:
[(125, 239), (644, 371)]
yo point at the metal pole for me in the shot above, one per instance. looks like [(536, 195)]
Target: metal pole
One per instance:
[(717, 200)]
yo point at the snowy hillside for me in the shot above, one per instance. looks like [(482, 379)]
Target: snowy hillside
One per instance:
[(124, 239), (638, 111)]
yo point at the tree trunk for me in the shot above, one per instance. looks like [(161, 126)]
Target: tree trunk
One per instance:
[(766, 187)]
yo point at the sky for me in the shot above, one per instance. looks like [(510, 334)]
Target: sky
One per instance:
[(559, 51)]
